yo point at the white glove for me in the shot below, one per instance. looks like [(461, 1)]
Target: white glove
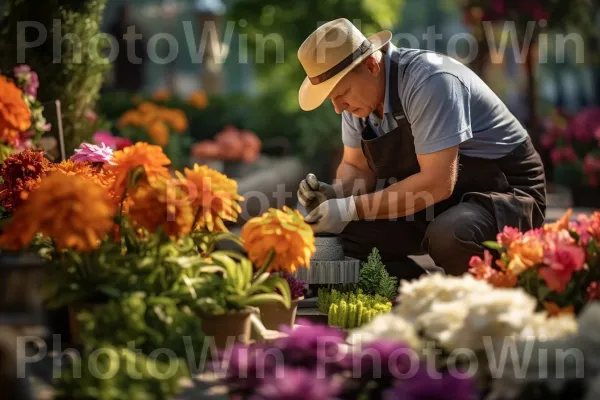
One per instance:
[(333, 215), (312, 192)]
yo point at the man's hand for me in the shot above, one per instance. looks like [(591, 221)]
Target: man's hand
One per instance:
[(333, 215), (312, 192)]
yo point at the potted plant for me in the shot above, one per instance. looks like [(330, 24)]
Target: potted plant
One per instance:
[(273, 315), (229, 294)]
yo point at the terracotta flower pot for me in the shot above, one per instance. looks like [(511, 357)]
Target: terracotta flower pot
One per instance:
[(274, 314), (227, 328)]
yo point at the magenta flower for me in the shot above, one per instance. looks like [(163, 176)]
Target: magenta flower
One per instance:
[(247, 366), (508, 235), (297, 384), (584, 125), (114, 142), (27, 78), (93, 153), (385, 360), (424, 385), (591, 167), (561, 155), (313, 346)]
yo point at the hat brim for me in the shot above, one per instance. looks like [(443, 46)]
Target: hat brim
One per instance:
[(312, 96)]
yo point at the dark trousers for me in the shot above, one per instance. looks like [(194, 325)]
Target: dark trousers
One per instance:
[(455, 234)]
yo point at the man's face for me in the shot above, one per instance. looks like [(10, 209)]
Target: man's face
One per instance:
[(360, 91)]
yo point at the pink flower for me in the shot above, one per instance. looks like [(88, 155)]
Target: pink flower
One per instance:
[(91, 116), (508, 235), (562, 257), (593, 292), (93, 153), (562, 155), (114, 142), (591, 168), (548, 141), (28, 78), (584, 125)]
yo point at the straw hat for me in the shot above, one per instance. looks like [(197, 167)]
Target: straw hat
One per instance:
[(329, 53)]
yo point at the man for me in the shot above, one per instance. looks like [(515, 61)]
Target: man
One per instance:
[(433, 160)]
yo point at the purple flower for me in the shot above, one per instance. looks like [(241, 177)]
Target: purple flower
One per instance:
[(93, 153), (27, 78), (247, 366), (314, 346), (385, 359), (297, 384), (426, 385), (296, 286)]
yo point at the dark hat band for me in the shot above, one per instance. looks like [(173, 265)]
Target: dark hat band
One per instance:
[(336, 69)]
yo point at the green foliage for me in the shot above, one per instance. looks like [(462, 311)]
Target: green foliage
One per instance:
[(148, 322), (75, 75), (231, 284), (350, 310), (133, 376), (374, 278), (287, 23)]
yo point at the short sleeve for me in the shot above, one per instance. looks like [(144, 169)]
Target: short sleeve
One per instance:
[(438, 110), (351, 132)]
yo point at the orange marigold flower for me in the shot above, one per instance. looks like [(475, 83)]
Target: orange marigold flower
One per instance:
[(198, 99), (160, 203), (161, 95), (15, 116), (525, 253), (76, 213), (21, 173), (158, 132), (87, 171), (562, 223), (214, 197), (175, 118), (141, 154), (285, 234), (554, 310)]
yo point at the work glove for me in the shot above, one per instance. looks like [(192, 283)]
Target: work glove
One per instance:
[(311, 192), (332, 215)]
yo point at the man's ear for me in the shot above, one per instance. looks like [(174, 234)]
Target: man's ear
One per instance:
[(372, 65)]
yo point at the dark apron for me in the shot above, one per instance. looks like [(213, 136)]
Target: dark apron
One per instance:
[(512, 187)]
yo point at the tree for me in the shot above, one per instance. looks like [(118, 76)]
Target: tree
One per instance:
[(276, 29), (72, 75)]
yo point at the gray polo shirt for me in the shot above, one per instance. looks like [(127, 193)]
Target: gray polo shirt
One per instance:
[(446, 104)]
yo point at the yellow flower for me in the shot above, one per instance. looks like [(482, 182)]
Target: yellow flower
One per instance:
[(198, 99), (141, 154), (161, 95), (562, 223), (76, 213), (215, 197), (285, 233), (554, 310), (160, 203)]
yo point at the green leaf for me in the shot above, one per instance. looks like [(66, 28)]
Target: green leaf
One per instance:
[(262, 298), (110, 291), (257, 283), (493, 245)]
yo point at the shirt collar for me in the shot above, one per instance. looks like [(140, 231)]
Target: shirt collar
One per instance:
[(387, 107)]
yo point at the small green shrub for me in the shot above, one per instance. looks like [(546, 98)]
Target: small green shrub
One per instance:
[(374, 278)]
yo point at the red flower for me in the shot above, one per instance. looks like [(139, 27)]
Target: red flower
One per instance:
[(21, 172)]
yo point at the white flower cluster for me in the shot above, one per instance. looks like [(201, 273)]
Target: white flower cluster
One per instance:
[(460, 312)]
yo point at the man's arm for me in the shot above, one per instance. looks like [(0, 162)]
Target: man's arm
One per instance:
[(354, 177), (434, 183)]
